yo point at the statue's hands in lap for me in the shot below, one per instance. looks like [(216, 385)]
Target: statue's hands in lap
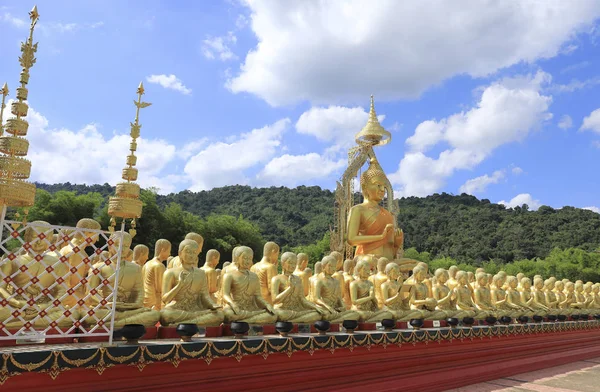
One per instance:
[(431, 302), (215, 307), (125, 306), (270, 309), (234, 308), (319, 310)]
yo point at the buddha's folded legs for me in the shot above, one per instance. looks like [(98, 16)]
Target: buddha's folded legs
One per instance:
[(144, 316), (306, 316), (460, 314), (205, 318), (42, 322), (412, 314), (374, 317), (250, 316), (338, 317), (436, 315)]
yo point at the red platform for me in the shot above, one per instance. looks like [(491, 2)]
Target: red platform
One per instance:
[(432, 365)]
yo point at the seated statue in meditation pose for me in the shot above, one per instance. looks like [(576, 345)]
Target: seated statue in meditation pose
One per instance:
[(513, 297), (589, 295), (34, 305), (564, 301), (578, 302), (301, 272), (75, 251), (129, 306), (446, 300), (348, 277), (328, 295), (396, 296), (362, 295), (242, 292), (420, 299), (288, 295), (339, 268), (464, 301), (596, 296), (266, 269), (153, 272), (212, 276), (550, 299), (379, 278), (185, 292), (175, 262), (534, 297), (452, 282), (483, 296), (500, 298), (312, 281)]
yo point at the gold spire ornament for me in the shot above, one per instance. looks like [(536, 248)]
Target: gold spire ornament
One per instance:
[(126, 203), (373, 134), (14, 170)]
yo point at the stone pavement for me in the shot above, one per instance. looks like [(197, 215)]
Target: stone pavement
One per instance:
[(582, 376)]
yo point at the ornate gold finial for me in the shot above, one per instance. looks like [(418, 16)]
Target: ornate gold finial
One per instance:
[(126, 203), (14, 170), (373, 134)]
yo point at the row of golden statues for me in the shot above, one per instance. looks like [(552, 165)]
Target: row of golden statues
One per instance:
[(367, 289)]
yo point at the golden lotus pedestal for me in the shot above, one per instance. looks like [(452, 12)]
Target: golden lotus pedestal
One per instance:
[(426, 360)]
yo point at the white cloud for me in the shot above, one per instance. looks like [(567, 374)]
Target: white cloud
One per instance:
[(575, 67), (241, 22), (591, 122), (293, 170), (520, 199), (479, 184), (87, 156), (305, 50), (191, 148), (213, 47), (337, 124), (517, 170), (221, 164), (13, 20), (574, 85), (565, 122), (507, 112), (592, 208), (171, 82)]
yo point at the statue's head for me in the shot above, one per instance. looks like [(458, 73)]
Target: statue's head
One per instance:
[(117, 238), (538, 283), (461, 277), (452, 271), (520, 276), (162, 249), (289, 260), (339, 259), (34, 231), (329, 263), (512, 282), (498, 280), (596, 288), (570, 287), (559, 285), (318, 267), (349, 266), (84, 225), (197, 238), (188, 252), (302, 261), (381, 264), (392, 270), (526, 283), (419, 273), (549, 284), (308, 272), (587, 287), (271, 252), (441, 275), (242, 257), (482, 279), (362, 269), (579, 286), (140, 254), (470, 276), (373, 181), (212, 258)]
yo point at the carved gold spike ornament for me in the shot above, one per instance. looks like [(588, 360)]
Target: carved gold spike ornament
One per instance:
[(14, 169), (126, 203), (373, 134)]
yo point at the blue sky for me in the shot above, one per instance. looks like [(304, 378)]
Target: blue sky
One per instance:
[(499, 100)]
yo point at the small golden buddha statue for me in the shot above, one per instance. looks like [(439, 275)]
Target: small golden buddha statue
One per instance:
[(300, 271), (464, 298), (348, 277), (153, 272), (513, 297), (129, 306), (589, 297), (550, 297), (520, 277), (58, 244), (379, 278), (225, 265), (483, 295), (212, 276), (266, 269), (371, 228), (443, 295), (420, 299), (175, 262), (75, 251), (339, 268), (37, 298), (534, 297), (500, 298), (564, 303), (452, 282), (362, 295), (185, 292), (242, 292), (578, 303), (140, 254), (396, 296), (328, 296), (288, 295), (312, 281), (596, 296)]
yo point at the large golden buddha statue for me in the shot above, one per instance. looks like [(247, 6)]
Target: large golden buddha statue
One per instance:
[(371, 228), (185, 292), (129, 307), (287, 292), (242, 292), (36, 298)]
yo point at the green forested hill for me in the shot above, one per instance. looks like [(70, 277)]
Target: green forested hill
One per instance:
[(461, 227)]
